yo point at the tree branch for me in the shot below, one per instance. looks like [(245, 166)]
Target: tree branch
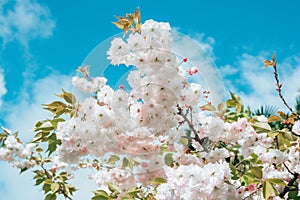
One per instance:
[(61, 189), (191, 126), (279, 85), (287, 188)]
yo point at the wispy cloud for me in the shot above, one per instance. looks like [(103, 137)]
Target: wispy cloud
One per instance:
[(256, 85), (23, 114), (24, 20), (2, 86)]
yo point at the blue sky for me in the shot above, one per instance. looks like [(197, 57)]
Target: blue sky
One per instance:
[(43, 42)]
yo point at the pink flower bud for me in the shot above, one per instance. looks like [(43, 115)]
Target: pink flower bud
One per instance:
[(144, 164), (251, 186), (240, 190), (194, 70)]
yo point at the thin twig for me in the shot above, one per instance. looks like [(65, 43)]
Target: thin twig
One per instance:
[(288, 169), (279, 85), (62, 191), (191, 126), (251, 194), (295, 134)]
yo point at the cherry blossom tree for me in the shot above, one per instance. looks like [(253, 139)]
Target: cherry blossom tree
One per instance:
[(158, 140)]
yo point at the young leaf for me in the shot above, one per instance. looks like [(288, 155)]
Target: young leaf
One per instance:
[(68, 97), (133, 192), (277, 181), (268, 190), (184, 141), (261, 127), (274, 118), (100, 195), (113, 159), (55, 187), (125, 162), (158, 181), (257, 172), (282, 114), (50, 197), (169, 160), (268, 63), (113, 188)]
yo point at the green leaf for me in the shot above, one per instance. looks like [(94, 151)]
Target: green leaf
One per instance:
[(50, 197), (273, 134), (113, 188), (55, 121), (100, 195), (277, 181), (268, 190), (71, 188), (54, 106), (23, 170), (68, 97), (184, 141), (39, 181), (261, 127), (46, 188), (55, 187), (231, 103), (40, 136), (133, 192), (48, 181), (257, 172), (239, 108), (125, 162), (164, 148), (247, 179), (113, 159), (53, 142), (158, 181), (169, 160), (234, 96), (293, 195), (129, 162)]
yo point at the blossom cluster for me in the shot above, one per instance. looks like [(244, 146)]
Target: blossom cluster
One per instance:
[(17, 153), (194, 182)]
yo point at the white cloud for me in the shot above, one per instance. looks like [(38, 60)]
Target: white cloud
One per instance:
[(260, 82), (23, 20), (23, 114), (228, 70), (2, 86)]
